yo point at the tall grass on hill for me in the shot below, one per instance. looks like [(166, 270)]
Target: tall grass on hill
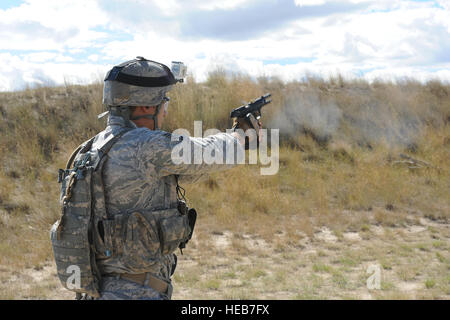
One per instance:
[(339, 144)]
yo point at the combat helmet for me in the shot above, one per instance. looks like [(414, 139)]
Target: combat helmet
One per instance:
[(138, 82)]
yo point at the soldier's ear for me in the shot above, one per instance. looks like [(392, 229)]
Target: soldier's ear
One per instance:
[(144, 109)]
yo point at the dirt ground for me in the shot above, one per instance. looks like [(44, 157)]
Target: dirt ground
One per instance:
[(413, 262)]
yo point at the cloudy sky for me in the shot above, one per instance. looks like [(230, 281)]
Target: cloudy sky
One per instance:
[(55, 41)]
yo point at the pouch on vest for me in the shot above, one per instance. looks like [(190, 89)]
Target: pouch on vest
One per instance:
[(140, 238), (72, 235)]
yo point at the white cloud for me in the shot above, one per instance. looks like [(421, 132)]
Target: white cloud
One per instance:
[(50, 25), (40, 57), (94, 57), (309, 2), (53, 40), (19, 72), (220, 4), (57, 14), (174, 7)]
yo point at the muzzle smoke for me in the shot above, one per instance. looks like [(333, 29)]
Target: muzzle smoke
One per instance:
[(361, 118)]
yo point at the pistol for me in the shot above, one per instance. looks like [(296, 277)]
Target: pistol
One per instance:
[(253, 107)]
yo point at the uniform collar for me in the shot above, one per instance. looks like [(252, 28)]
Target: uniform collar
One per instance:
[(118, 121)]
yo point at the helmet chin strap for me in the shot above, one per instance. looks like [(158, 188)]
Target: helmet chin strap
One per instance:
[(154, 117), (121, 111)]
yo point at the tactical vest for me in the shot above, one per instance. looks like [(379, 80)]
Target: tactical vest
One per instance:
[(85, 232)]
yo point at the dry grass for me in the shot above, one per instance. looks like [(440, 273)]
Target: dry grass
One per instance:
[(340, 168)]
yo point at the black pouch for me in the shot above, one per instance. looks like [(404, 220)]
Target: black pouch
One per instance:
[(192, 218), (174, 264)]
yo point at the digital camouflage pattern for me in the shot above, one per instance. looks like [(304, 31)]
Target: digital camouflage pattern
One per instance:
[(121, 289), (73, 234), (139, 186), (120, 94)]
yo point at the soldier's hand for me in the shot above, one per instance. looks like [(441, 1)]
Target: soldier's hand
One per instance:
[(247, 123), (241, 123), (250, 122)]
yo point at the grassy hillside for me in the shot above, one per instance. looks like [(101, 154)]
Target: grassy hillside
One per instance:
[(354, 156)]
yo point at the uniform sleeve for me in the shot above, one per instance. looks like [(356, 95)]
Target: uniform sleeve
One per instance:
[(165, 154)]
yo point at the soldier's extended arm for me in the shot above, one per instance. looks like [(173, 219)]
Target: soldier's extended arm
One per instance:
[(166, 154)]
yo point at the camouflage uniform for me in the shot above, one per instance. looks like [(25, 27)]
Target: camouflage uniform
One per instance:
[(139, 175)]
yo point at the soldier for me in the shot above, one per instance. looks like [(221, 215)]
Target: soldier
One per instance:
[(140, 183)]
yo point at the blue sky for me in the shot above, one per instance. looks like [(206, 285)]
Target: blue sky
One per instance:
[(53, 42), (6, 4)]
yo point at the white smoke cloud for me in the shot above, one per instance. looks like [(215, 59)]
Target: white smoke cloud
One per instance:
[(303, 110)]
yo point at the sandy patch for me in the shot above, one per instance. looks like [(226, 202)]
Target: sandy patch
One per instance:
[(366, 296), (409, 286), (378, 230), (416, 229), (223, 240), (352, 236), (326, 235)]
